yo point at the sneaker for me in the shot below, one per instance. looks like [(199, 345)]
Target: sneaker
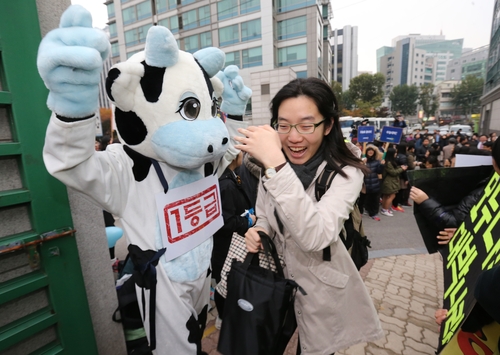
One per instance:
[(376, 218), (399, 209), (387, 213), (218, 323)]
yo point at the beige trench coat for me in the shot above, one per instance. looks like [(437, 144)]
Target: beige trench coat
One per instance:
[(337, 311)]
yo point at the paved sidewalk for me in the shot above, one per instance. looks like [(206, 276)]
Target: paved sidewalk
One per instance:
[(406, 291)]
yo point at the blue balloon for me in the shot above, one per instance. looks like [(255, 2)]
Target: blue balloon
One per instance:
[(113, 234)]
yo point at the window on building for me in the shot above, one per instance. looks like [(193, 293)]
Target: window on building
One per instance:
[(428, 77), (301, 74), (229, 35), (142, 32), (161, 6), (227, 9), (129, 15), (415, 76), (251, 57), (185, 2), (453, 70), (325, 32), (265, 89), (111, 9), (190, 19), (174, 24), (289, 5), (247, 6), (233, 58), (251, 30), (324, 11), (292, 55), (112, 30), (204, 15), (115, 49), (136, 35), (144, 10), (197, 42), (291, 28), (131, 37)]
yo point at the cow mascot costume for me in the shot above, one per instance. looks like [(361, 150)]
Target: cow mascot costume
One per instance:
[(166, 119)]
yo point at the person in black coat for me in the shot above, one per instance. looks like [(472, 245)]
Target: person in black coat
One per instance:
[(372, 182), (235, 212)]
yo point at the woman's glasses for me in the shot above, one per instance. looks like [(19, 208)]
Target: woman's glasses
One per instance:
[(302, 128)]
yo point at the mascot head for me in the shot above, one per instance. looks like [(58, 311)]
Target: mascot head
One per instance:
[(166, 102)]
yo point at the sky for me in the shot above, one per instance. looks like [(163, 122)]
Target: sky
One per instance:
[(379, 21)]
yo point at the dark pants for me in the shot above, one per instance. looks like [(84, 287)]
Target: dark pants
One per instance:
[(361, 202), (372, 200)]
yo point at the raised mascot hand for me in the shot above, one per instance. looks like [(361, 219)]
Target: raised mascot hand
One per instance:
[(235, 95), (70, 60)]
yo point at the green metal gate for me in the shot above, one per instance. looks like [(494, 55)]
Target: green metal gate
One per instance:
[(43, 303)]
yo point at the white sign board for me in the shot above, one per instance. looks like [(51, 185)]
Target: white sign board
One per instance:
[(189, 215), (462, 160)]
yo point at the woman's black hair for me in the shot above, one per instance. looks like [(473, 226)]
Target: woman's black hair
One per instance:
[(390, 158), (374, 156), (336, 152), (433, 160), (402, 147)]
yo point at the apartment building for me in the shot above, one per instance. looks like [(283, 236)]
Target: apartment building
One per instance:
[(261, 37), (490, 101), (344, 43)]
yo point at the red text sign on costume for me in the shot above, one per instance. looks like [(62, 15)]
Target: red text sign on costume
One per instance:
[(189, 215)]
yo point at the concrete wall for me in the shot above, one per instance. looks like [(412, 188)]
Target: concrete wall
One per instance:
[(91, 238)]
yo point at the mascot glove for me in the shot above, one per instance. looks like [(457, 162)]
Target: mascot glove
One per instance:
[(70, 61), (235, 95)]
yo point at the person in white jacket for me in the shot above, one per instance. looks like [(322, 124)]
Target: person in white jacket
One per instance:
[(305, 136)]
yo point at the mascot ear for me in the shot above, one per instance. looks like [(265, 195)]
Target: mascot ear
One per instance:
[(161, 52), (211, 59)]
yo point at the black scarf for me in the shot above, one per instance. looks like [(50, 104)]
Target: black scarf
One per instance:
[(306, 172)]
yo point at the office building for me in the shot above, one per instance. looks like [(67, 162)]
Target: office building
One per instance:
[(490, 101), (258, 36), (472, 62), (344, 43), (406, 64)]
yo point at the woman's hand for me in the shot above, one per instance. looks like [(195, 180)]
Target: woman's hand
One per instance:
[(252, 239), (418, 195), (440, 315), (263, 143), (446, 235)]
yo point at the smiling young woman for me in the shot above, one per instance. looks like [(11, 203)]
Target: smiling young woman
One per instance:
[(303, 138)]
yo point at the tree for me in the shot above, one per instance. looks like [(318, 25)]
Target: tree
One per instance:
[(466, 94), (428, 100), (367, 88), (404, 99), (337, 90)]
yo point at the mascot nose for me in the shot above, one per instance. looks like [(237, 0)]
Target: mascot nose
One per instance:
[(210, 148), (224, 141)]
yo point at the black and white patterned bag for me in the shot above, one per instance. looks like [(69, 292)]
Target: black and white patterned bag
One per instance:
[(238, 250)]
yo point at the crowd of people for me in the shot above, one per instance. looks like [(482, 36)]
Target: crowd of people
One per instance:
[(385, 189)]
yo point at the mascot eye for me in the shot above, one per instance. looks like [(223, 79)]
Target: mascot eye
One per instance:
[(214, 107), (190, 108)]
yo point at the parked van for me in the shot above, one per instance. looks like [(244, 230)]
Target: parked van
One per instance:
[(466, 129), (347, 122)]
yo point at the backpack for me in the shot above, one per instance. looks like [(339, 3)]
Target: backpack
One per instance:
[(355, 241)]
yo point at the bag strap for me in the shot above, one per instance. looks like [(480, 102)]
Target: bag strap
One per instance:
[(269, 252), (323, 183)]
